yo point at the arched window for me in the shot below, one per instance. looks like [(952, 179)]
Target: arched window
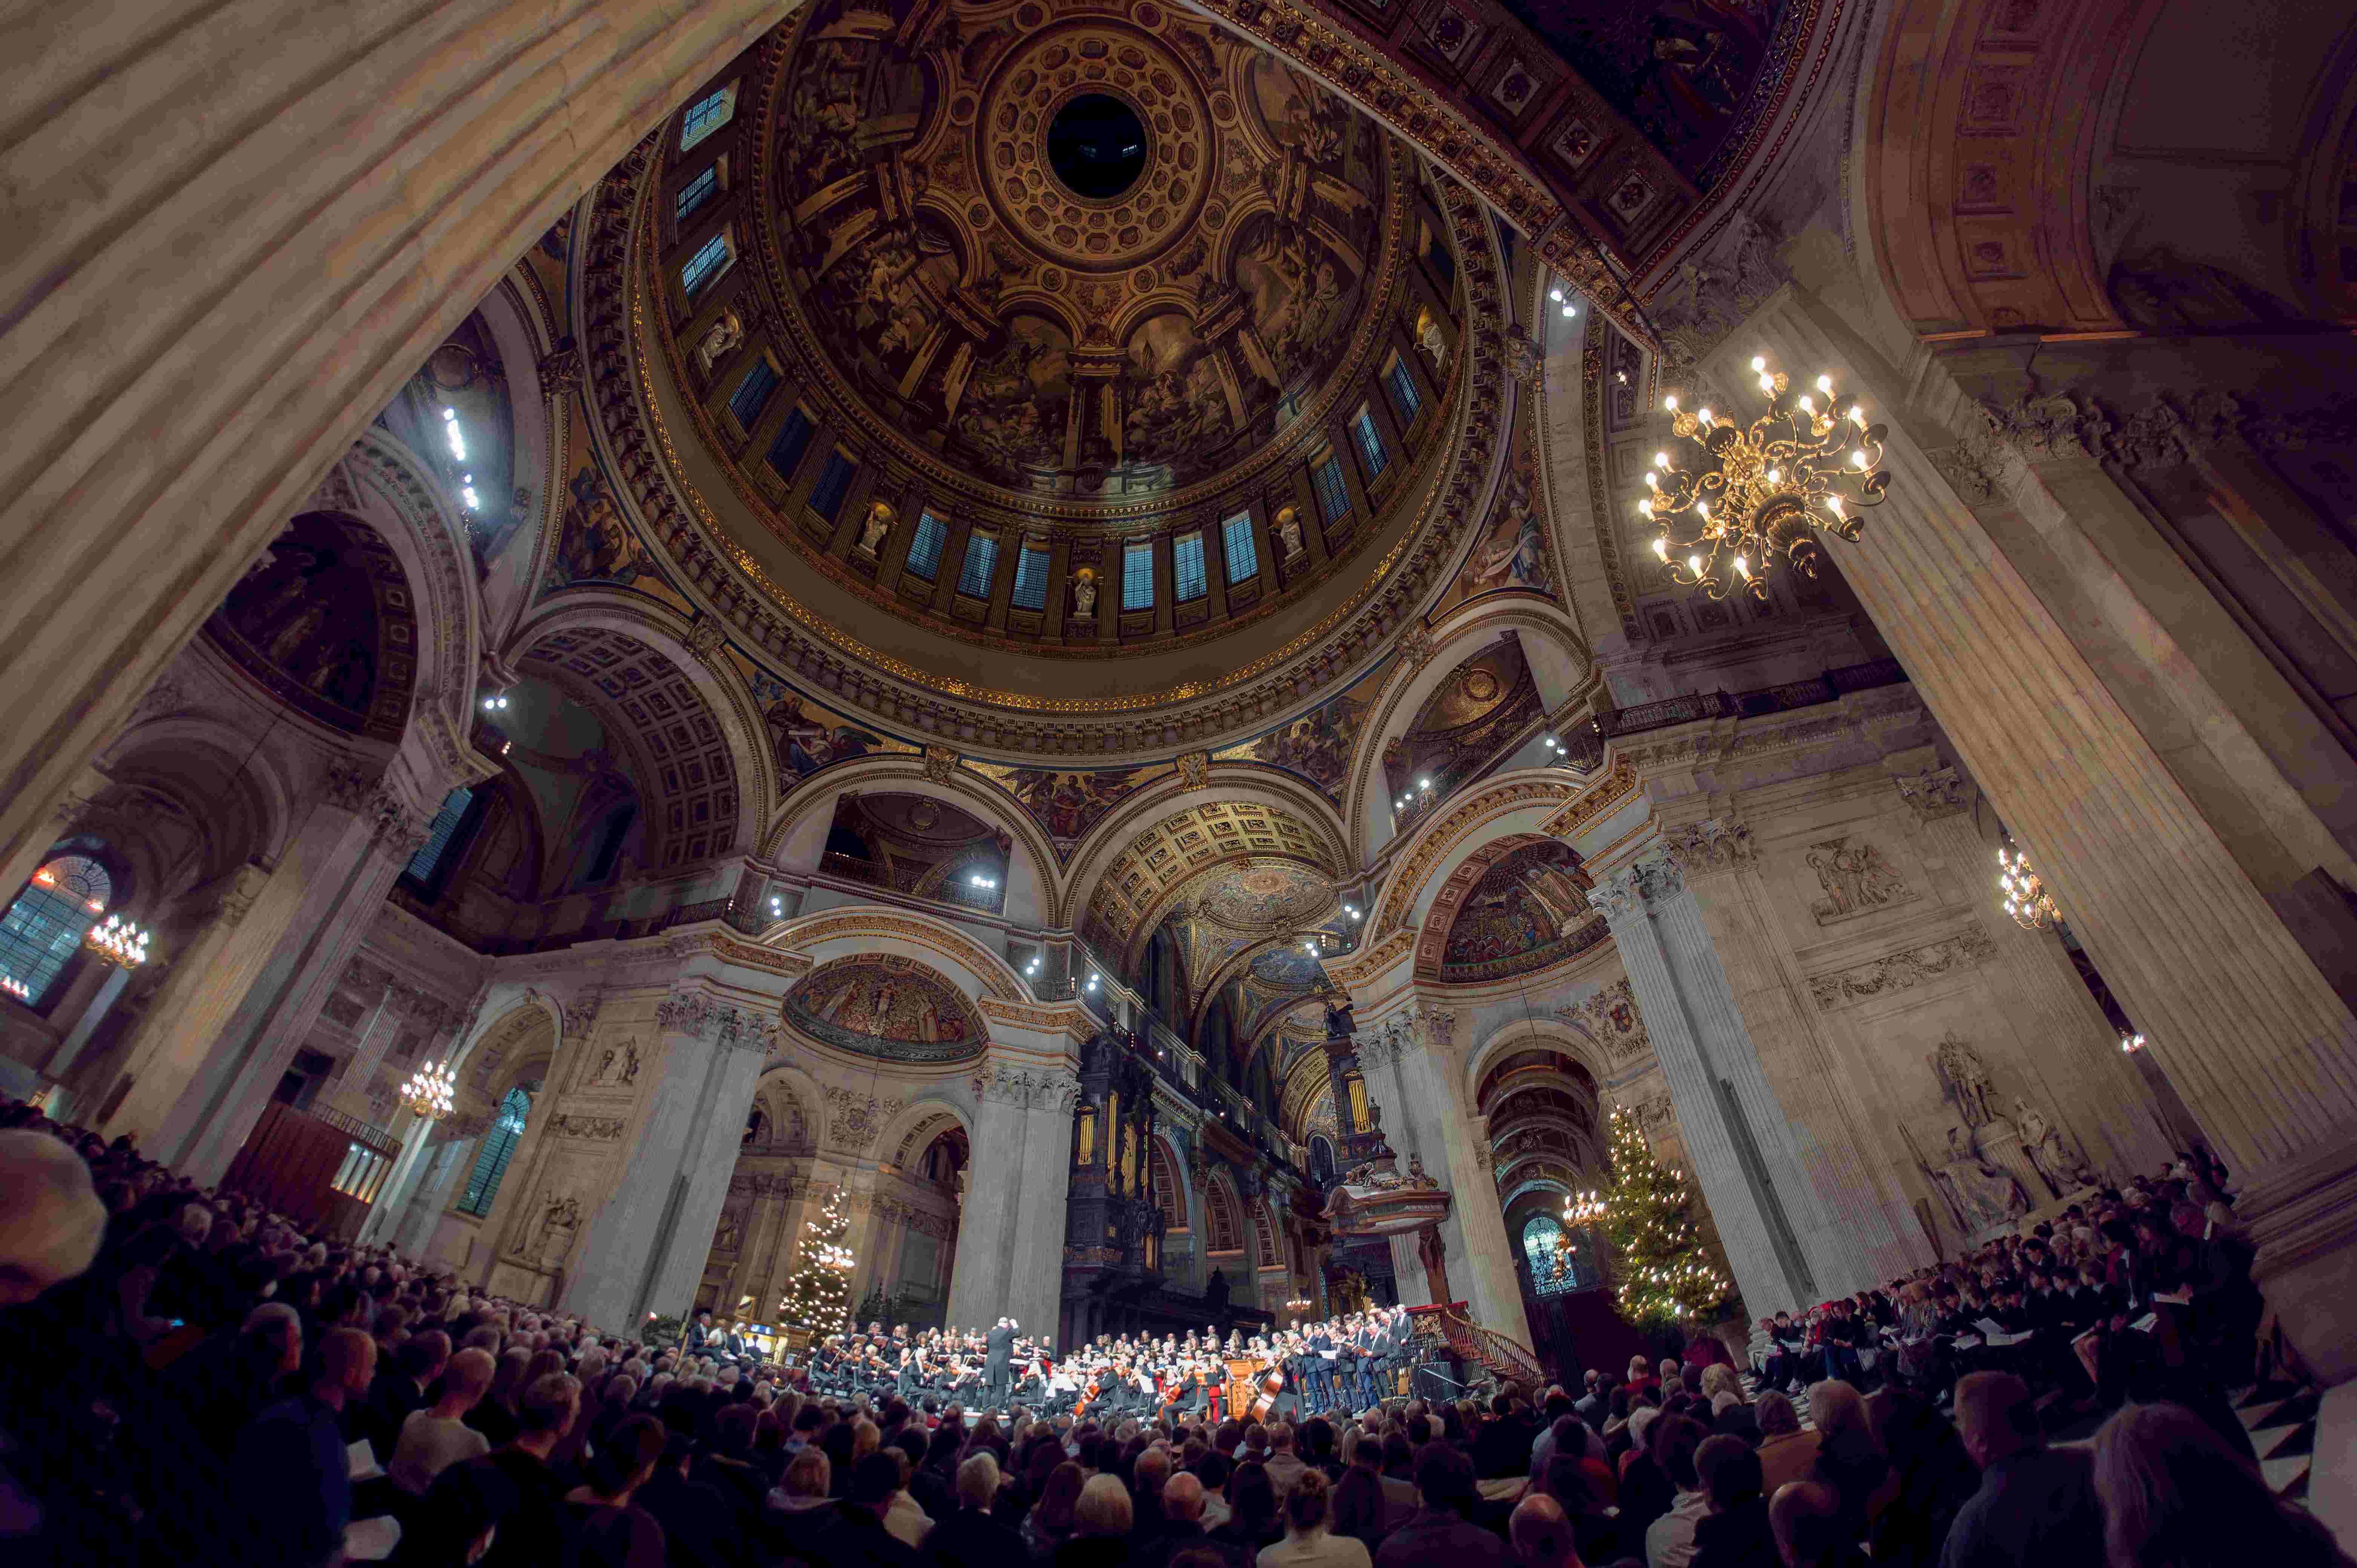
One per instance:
[(1555, 1258), (499, 1148), (44, 928)]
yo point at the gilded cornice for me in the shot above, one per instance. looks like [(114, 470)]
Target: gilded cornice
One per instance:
[(1599, 795), (809, 930), (1438, 837)]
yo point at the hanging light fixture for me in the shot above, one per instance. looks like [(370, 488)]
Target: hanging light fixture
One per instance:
[(431, 1092), (1758, 493), (117, 941), (2026, 899), (1582, 1210)]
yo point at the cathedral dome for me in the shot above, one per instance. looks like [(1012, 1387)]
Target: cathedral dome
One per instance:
[(1097, 341)]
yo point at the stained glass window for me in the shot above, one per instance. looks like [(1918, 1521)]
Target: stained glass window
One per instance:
[(499, 1148), (1555, 1267), (44, 928), (1243, 557), (707, 114)]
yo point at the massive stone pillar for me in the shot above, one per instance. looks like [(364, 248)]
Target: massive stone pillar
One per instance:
[(1011, 1245), (1414, 1081), (437, 1182), (1860, 1241), (645, 1247), (1733, 1128), (350, 1091), (2059, 689), (215, 1067), (166, 167)]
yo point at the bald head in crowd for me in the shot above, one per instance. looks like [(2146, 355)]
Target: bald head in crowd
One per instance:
[(1542, 1533), (51, 1218), (1182, 1497)]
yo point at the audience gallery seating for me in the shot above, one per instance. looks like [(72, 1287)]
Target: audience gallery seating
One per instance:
[(192, 1379)]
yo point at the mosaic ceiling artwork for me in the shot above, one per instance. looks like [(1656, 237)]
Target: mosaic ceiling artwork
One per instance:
[(884, 1005), (1287, 967), (1134, 325), (1318, 746), (1483, 705), (805, 737), (1156, 862), (683, 764), (1069, 804), (324, 622)]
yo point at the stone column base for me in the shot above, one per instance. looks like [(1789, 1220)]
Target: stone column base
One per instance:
[(2303, 1217)]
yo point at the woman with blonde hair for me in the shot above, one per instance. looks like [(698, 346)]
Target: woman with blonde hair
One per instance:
[(1308, 1543)]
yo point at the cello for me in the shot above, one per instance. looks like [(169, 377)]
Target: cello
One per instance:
[(1266, 1387)]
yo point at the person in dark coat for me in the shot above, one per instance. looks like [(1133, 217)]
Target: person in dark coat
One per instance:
[(1734, 1533), (691, 1514), (969, 1537), (2035, 1505)]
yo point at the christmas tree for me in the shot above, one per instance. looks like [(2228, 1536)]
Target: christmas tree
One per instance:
[(818, 1292), (1664, 1263)]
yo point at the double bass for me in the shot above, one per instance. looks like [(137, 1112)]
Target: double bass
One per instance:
[(1270, 1384)]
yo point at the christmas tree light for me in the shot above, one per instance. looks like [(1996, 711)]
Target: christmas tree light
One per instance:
[(818, 1292), (1665, 1266)]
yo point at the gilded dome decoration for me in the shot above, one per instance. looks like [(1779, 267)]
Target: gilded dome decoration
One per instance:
[(1065, 332), (971, 304)]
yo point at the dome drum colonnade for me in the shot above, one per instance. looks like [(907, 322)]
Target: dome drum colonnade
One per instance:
[(2200, 931)]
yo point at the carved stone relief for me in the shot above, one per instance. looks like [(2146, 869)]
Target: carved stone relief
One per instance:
[(1901, 970), (1855, 879)]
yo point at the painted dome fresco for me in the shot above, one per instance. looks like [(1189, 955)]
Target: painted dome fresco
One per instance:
[(1067, 330)]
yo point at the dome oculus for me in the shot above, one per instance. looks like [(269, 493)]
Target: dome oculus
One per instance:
[(1096, 145)]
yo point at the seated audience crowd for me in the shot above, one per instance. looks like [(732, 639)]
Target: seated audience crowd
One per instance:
[(189, 1379)]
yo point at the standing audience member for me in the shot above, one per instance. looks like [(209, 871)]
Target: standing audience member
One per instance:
[(970, 1538), (1307, 1542), (2035, 1505), (1442, 1531), (607, 1531), (433, 1439), (1542, 1534), (295, 1483), (2173, 1496), (1735, 1532)]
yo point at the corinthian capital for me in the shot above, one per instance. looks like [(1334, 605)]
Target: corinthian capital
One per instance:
[(1009, 1086), (1708, 848), (691, 1014), (1626, 894), (1056, 1090)]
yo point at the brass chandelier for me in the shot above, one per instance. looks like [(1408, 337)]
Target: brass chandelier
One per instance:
[(431, 1092), (1760, 492), (1582, 1210), (2026, 899)]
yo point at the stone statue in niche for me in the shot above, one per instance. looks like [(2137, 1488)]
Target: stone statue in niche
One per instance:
[(1084, 594), (1288, 531), (2059, 1163), (872, 532), (1855, 879), (1964, 1079), (1979, 1193), (552, 1239), (719, 338)]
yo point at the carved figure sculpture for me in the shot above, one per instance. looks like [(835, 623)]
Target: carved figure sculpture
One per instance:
[(878, 523), (1084, 594), (1288, 530), (1965, 1078), (2059, 1162), (719, 338)]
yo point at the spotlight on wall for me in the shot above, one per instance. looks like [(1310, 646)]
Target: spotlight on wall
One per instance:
[(1556, 294), (495, 702), (2131, 1044), (979, 880)]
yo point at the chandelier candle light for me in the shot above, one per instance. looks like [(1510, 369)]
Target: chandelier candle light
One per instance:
[(1764, 491), (1582, 1210), (2026, 899), (431, 1092), (118, 941)]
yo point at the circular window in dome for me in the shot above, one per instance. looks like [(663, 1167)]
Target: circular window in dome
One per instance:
[(1096, 145)]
